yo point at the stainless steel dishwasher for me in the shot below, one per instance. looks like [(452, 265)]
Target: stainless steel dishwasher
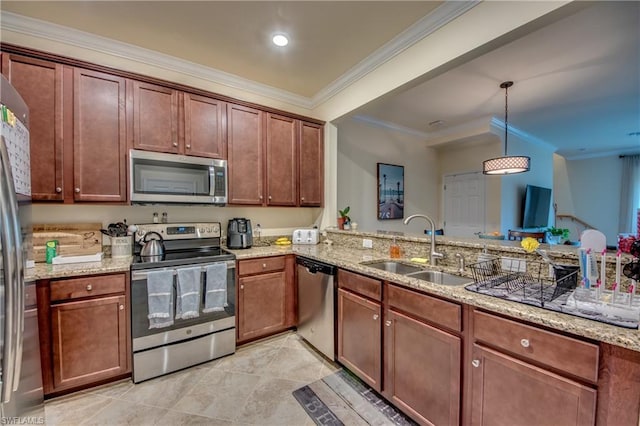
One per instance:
[(316, 302)]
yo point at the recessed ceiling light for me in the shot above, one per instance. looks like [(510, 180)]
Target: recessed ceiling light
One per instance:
[(280, 40)]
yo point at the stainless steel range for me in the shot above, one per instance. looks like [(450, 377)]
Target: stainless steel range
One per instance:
[(192, 317)]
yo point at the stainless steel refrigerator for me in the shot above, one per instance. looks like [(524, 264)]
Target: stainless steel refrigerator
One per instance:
[(21, 392)]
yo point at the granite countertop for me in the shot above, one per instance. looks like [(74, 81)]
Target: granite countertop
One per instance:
[(349, 258), (108, 265)]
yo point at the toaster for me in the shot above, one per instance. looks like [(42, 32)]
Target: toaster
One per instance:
[(305, 236)]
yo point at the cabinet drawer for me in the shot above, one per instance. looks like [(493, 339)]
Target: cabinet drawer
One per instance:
[(75, 288), (365, 286), (566, 354), (437, 311), (258, 266)]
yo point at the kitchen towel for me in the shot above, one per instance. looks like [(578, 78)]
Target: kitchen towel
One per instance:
[(215, 299), (188, 300), (160, 298)]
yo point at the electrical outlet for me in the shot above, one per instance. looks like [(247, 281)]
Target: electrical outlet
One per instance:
[(366, 243), (514, 265)]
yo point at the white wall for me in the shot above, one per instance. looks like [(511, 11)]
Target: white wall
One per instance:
[(590, 190), (360, 147)]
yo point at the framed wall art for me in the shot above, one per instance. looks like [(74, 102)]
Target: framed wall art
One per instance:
[(390, 191)]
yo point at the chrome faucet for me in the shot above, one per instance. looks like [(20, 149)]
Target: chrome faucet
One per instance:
[(433, 254), (460, 258)]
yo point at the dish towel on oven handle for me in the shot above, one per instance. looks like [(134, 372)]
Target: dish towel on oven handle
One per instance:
[(160, 298), (189, 293), (215, 299)]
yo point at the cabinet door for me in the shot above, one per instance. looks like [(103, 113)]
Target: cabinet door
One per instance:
[(359, 337), (429, 390), (281, 160), (155, 118), (99, 137), (507, 391), (204, 132), (89, 340), (311, 165), (246, 155), (262, 305), (40, 85)]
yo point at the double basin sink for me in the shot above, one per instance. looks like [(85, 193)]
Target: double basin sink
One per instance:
[(412, 271)]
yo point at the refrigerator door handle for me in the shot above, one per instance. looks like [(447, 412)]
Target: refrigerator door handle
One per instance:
[(10, 288)]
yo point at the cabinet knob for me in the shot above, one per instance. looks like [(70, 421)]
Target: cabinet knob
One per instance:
[(121, 307), (475, 363), (188, 146), (375, 317), (242, 287), (89, 288), (260, 197), (301, 198), (525, 343), (58, 189), (264, 265), (175, 144), (269, 196), (387, 323), (77, 190)]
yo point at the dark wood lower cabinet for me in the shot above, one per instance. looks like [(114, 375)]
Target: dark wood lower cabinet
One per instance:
[(422, 370), (360, 337), (89, 340), (507, 391)]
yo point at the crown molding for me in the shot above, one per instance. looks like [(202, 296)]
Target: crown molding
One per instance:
[(390, 126), (428, 24), (445, 13), (522, 135)]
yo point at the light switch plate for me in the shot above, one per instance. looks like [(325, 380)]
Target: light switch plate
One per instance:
[(366, 243)]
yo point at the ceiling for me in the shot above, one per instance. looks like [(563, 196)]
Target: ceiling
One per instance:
[(577, 80)]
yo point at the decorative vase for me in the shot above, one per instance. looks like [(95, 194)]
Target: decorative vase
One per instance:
[(341, 221)]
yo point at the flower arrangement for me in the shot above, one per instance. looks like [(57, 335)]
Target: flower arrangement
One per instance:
[(529, 244)]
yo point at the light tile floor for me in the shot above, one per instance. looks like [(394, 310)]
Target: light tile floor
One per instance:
[(251, 387)]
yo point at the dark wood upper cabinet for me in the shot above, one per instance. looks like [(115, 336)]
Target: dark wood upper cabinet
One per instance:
[(245, 149), (99, 137), (155, 118), (40, 84), (311, 165), (204, 126), (282, 162)]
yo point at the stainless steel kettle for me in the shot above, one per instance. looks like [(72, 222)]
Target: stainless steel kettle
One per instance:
[(152, 250)]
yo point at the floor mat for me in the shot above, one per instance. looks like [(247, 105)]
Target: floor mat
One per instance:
[(343, 399)]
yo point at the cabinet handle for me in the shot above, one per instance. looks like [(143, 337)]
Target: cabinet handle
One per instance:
[(301, 198), (58, 189), (475, 363), (260, 197), (175, 144), (121, 307), (387, 323), (188, 146), (525, 343), (89, 288), (77, 190), (375, 317), (264, 265), (242, 287)]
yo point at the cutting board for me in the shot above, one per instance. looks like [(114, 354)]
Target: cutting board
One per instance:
[(73, 239)]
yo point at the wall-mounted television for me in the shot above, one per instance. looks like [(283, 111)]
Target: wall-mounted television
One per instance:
[(537, 204)]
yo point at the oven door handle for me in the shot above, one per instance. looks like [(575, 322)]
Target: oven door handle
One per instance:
[(142, 275)]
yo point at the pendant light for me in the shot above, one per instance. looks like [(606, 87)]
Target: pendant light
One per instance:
[(506, 165)]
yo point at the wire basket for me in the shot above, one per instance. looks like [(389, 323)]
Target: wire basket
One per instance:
[(511, 279)]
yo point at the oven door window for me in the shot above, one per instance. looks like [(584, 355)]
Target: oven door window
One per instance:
[(155, 177), (140, 307)]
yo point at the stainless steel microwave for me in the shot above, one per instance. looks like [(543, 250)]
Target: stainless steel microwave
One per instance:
[(171, 178)]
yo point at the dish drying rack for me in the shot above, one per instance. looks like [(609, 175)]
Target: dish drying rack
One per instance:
[(509, 279), (555, 289)]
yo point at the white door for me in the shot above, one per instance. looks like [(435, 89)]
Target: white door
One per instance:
[(464, 204)]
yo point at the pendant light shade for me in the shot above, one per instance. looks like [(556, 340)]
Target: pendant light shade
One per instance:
[(506, 165)]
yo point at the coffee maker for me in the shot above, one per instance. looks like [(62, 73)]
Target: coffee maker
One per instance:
[(239, 233)]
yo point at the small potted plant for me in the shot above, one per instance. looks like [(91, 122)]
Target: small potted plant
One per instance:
[(557, 235), (344, 218)]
